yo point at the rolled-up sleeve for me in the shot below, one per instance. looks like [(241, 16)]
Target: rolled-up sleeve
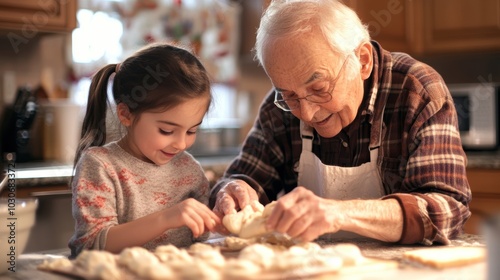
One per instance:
[(434, 192)]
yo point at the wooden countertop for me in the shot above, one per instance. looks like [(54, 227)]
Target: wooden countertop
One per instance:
[(26, 263)]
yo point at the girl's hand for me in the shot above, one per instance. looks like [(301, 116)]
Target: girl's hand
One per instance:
[(193, 214)]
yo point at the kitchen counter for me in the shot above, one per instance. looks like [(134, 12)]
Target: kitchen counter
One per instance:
[(27, 263), (483, 159)]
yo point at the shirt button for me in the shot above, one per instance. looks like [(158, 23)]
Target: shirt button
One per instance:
[(345, 144)]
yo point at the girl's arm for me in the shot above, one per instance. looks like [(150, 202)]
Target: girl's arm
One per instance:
[(190, 212)]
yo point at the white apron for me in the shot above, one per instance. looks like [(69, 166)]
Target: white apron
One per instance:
[(335, 182)]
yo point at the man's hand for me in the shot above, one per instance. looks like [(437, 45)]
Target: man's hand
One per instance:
[(303, 215), (234, 196)]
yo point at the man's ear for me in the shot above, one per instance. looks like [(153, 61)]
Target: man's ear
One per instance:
[(126, 118), (365, 55)]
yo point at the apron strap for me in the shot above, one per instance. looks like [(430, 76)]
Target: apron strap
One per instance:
[(307, 135)]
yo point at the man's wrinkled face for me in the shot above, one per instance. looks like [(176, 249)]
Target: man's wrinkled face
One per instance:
[(303, 65)]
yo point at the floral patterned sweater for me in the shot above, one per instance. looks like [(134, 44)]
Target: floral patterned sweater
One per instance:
[(112, 187)]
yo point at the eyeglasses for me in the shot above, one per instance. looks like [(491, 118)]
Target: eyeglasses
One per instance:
[(289, 104)]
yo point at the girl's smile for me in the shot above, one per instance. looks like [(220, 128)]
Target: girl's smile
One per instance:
[(157, 137)]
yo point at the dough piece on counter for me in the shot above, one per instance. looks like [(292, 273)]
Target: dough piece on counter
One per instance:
[(294, 258), (131, 256), (236, 243), (240, 269), (307, 258), (443, 257), (260, 254), (199, 271), (350, 253), (208, 255), (310, 246), (167, 249), (56, 264), (278, 239), (201, 247), (170, 254), (144, 264), (98, 264)]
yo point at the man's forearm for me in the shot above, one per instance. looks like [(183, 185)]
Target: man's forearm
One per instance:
[(378, 219)]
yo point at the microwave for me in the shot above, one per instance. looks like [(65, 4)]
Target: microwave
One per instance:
[(477, 107)]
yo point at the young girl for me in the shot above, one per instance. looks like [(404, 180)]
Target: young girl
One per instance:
[(144, 189)]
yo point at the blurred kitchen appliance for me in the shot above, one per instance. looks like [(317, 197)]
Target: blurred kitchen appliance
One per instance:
[(62, 123), (18, 120), (216, 141), (477, 108)]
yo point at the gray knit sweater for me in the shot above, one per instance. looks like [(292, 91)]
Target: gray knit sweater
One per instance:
[(112, 187)]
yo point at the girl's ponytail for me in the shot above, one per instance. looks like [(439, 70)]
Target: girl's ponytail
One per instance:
[(94, 123)]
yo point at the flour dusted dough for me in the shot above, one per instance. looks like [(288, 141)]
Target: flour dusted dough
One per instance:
[(171, 254), (144, 264), (250, 221), (56, 263), (350, 253), (209, 255), (443, 257), (98, 264), (236, 243), (202, 261), (200, 270), (240, 268), (260, 254)]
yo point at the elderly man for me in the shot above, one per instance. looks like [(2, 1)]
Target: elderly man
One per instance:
[(352, 138)]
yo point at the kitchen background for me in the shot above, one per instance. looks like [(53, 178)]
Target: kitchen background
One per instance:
[(54, 47)]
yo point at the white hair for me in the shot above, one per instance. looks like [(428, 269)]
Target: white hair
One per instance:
[(339, 24)]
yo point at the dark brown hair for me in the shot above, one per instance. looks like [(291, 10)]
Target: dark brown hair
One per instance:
[(157, 77)]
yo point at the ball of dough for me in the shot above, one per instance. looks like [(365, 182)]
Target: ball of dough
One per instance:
[(144, 264), (240, 268), (350, 253), (236, 243), (260, 254), (98, 264), (199, 270)]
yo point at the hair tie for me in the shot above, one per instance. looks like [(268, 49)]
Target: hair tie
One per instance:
[(117, 67)]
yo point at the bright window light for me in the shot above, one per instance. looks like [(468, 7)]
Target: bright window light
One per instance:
[(97, 38)]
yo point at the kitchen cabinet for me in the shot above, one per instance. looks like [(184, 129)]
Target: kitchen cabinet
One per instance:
[(31, 17), (430, 27), (485, 196)]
